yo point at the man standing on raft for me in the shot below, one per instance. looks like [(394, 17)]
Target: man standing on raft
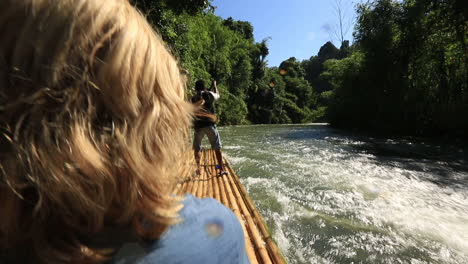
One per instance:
[(205, 123)]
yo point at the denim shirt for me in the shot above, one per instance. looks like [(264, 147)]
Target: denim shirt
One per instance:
[(209, 233)]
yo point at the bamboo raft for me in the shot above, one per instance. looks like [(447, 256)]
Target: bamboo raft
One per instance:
[(229, 191)]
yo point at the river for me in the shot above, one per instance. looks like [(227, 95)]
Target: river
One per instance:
[(334, 197)]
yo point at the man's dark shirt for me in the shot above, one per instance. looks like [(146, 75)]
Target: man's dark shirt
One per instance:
[(207, 107)]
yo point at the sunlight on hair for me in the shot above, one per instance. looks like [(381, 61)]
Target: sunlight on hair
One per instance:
[(95, 126)]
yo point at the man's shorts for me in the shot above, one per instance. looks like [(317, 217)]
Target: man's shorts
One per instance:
[(213, 136)]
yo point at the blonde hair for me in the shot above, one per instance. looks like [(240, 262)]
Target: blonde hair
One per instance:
[(94, 126)]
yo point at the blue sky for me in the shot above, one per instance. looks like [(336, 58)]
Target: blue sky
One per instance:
[(296, 27)]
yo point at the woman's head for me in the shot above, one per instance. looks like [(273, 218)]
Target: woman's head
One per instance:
[(94, 124)]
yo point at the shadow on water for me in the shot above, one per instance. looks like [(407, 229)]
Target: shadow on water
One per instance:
[(442, 163), (444, 166)]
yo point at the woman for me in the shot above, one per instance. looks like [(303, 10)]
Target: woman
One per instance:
[(94, 132)]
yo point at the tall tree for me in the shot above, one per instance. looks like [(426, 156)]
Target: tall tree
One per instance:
[(342, 12), (409, 73)]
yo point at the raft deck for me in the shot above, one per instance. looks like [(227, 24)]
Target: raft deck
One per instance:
[(229, 191)]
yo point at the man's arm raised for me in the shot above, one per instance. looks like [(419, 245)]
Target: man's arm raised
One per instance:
[(216, 91)]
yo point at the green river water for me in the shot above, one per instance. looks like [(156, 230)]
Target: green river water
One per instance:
[(334, 197)]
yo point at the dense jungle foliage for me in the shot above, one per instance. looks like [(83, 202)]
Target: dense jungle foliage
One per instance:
[(406, 71)]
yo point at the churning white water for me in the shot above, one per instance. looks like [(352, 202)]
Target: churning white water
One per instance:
[(332, 197)]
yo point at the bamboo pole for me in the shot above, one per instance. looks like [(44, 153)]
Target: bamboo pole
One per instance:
[(203, 185), (199, 182), (222, 191), (201, 178), (195, 187), (250, 249), (189, 186), (217, 195), (255, 234), (206, 185), (272, 247), (202, 191), (210, 187)]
